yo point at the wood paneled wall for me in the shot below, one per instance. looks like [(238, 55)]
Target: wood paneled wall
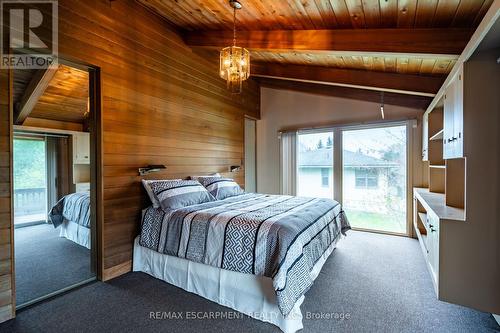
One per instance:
[(161, 104), (6, 232)]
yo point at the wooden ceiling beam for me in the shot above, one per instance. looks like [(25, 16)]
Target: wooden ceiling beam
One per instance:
[(371, 80), (408, 41), (415, 102), (34, 90)]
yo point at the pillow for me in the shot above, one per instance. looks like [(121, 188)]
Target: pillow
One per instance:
[(200, 177), (173, 194), (151, 195), (221, 188)]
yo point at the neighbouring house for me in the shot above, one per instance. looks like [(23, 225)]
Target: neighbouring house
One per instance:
[(366, 178)]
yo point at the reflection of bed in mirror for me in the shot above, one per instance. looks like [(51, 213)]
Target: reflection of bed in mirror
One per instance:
[(72, 215)]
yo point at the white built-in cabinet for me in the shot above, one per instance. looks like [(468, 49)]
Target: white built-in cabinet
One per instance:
[(81, 161), (453, 117), (456, 216), (81, 148)]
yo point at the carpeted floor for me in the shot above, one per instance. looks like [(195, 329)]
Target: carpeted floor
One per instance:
[(46, 262), (379, 282)]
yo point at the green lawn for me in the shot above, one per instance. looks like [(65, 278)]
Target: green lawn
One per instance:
[(377, 221)]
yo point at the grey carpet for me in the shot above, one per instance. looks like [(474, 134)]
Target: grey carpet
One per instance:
[(46, 262), (380, 281)]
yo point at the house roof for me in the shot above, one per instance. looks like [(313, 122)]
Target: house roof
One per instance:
[(323, 158)]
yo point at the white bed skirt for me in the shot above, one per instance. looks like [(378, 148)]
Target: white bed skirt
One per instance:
[(249, 294), (76, 233)]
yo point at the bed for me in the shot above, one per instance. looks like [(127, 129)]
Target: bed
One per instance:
[(255, 253), (72, 215)]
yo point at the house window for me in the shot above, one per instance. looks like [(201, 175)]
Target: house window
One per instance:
[(325, 177), (366, 178)]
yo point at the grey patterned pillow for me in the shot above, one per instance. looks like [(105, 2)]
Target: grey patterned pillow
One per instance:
[(151, 195), (173, 194), (221, 188)]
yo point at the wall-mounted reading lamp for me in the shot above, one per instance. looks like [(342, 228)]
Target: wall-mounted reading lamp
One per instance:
[(234, 168), (150, 169)]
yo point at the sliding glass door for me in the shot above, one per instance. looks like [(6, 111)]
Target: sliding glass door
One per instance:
[(363, 167), (374, 178), (30, 181)]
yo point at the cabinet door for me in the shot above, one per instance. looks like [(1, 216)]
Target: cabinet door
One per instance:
[(81, 148), (425, 137), (449, 120), (458, 115), (433, 243)]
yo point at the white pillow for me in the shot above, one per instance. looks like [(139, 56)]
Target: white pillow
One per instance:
[(209, 176)]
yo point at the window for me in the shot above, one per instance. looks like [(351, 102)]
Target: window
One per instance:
[(366, 178), (315, 164), (325, 177)]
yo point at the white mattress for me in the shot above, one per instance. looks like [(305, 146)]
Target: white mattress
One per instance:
[(76, 233), (250, 294)]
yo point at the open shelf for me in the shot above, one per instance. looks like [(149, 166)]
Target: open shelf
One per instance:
[(436, 202), (423, 225), (437, 136), (437, 178), (420, 228)]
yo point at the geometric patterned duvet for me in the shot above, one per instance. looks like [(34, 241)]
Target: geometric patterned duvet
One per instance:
[(277, 236)]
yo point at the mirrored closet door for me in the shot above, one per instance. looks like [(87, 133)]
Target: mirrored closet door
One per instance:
[(53, 220)]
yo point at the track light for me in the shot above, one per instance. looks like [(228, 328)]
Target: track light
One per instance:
[(382, 105)]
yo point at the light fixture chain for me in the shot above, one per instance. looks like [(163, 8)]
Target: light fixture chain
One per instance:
[(234, 26)]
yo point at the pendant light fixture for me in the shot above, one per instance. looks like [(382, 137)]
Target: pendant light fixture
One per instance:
[(234, 60)]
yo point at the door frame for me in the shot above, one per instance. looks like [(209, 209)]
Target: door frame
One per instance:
[(409, 124), (245, 119)]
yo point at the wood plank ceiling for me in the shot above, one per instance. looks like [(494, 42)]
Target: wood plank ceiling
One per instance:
[(406, 38), (63, 102)]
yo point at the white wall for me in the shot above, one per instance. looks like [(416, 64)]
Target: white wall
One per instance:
[(281, 109)]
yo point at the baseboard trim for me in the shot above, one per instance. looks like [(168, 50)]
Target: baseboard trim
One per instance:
[(115, 271)]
